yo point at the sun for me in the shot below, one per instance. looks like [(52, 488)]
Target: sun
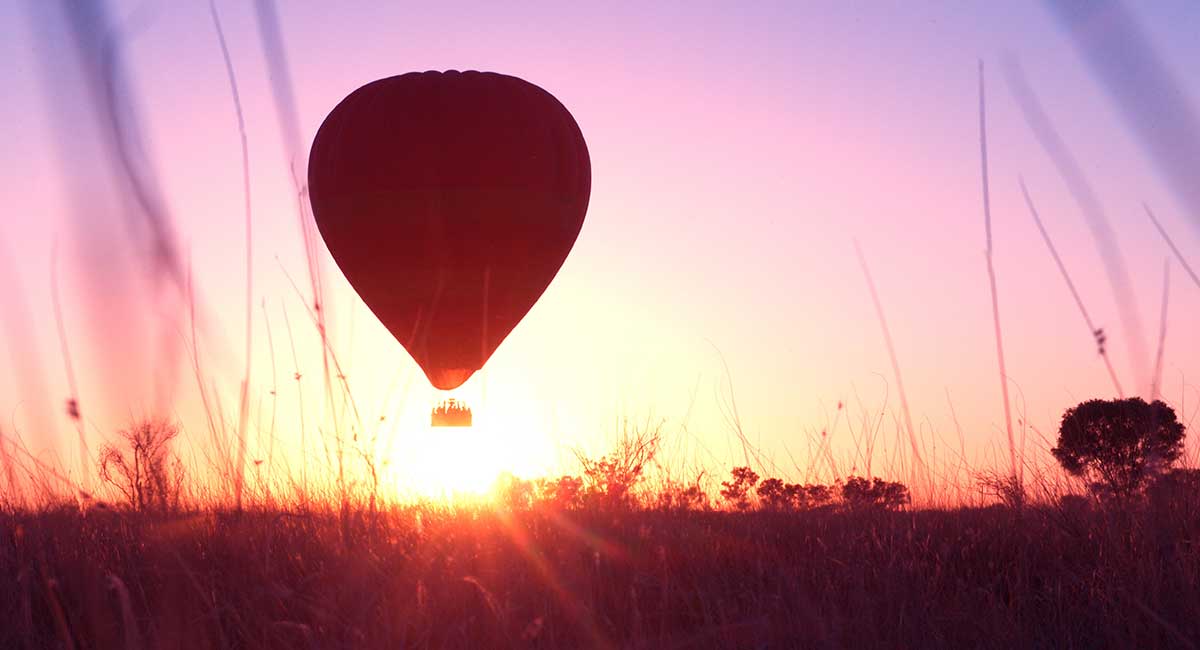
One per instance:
[(456, 462)]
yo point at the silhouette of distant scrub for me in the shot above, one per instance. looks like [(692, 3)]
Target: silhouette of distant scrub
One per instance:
[(858, 492), (775, 494), (675, 496), (609, 480), (737, 491), (565, 492)]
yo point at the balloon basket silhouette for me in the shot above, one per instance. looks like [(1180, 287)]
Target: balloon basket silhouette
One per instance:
[(450, 413)]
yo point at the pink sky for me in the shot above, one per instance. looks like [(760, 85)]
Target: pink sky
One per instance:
[(736, 155)]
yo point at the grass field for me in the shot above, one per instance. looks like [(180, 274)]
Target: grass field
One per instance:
[(1070, 575)]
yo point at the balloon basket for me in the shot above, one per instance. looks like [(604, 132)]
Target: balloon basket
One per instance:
[(451, 413)]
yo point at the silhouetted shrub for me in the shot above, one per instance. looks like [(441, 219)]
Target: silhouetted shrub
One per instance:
[(682, 496), (1006, 489), (514, 493), (146, 473), (611, 478), (1117, 446), (737, 491), (810, 496), (858, 492), (692, 498), (564, 492), (773, 493)]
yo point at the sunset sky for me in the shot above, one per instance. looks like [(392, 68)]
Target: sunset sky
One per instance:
[(738, 150)]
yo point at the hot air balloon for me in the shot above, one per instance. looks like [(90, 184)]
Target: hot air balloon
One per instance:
[(449, 200)]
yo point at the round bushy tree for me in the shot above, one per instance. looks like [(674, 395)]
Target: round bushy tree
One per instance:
[(1118, 445)]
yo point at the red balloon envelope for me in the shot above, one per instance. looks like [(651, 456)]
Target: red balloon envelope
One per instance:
[(449, 200)]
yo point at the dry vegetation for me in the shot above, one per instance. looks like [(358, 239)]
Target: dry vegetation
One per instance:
[(1074, 575), (603, 560)]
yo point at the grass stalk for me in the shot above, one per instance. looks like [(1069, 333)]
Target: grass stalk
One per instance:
[(73, 410), (244, 400), (918, 463), (1156, 387), (1096, 332), (991, 270), (1084, 195), (1171, 244)]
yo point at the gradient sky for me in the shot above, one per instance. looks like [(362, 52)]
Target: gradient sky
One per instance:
[(737, 152)]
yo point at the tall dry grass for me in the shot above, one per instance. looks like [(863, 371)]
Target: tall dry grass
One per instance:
[(991, 271), (1071, 575)]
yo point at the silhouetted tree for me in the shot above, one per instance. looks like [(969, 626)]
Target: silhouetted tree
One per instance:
[(737, 491), (774, 494), (565, 492), (812, 496), (147, 474), (1118, 445), (858, 492)]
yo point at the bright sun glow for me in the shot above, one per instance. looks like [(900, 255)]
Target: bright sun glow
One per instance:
[(449, 462)]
